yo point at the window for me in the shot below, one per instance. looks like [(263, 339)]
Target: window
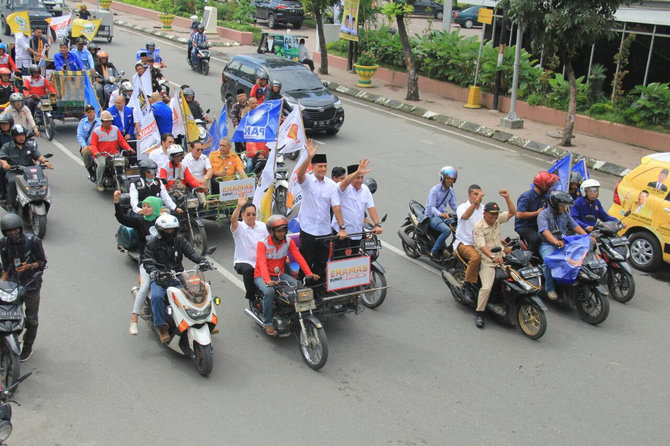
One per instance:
[(248, 72)]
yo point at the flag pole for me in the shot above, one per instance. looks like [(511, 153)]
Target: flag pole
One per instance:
[(274, 161)]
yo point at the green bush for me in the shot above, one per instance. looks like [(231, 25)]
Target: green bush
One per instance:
[(447, 56), (559, 95), (529, 71), (384, 45), (651, 106)]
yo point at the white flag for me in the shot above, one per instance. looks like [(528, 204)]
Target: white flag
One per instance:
[(293, 185), (177, 116), (60, 26), (267, 177), (149, 137), (291, 134)]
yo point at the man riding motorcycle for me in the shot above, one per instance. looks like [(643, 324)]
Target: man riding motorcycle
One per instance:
[(36, 87), (6, 87), (106, 138), (152, 53), (175, 171), (20, 113), (107, 75), (18, 153), (164, 253), (84, 132), (125, 90), (197, 38), (194, 106), (439, 197), (6, 123), (528, 207), (589, 205), (6, 60), (149, 186)]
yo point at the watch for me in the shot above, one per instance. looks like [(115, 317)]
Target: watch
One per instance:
[(343, 226), (378, 225)]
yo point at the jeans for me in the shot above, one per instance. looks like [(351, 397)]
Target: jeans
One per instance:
[(438, 223), (250, 164), (269, 295), (145, 286), (101, 163), (549, 283), (158, 302)]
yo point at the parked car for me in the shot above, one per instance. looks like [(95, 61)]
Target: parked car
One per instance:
[(467, 17), (36, 11), (428, 7), (322, 110), (642, 203), (280, 12), (55, 7)]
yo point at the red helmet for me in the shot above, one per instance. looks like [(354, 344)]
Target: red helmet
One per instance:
[(276, 222), (544, 180)]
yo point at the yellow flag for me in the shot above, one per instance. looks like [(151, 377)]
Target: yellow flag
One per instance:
[(192, 129), (266, 203), (86, 28), (19, 22)]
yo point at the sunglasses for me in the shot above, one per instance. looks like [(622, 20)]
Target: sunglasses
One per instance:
[(250, 214)]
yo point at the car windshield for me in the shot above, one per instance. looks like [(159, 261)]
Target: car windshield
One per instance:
[(293, 80), (29, 3)]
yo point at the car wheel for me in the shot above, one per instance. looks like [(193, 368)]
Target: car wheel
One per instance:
[(468, 24), (439, 15), (645, 251), (271, 21)]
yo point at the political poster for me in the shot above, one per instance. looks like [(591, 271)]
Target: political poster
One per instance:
[(149, 138), (347, 273), (349, 26)]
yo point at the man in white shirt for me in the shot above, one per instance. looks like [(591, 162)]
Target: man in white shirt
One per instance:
[(160, 155), (355, 200), (319, 196), (468, 214), (199, 164), (246, 234), (22, 57), (303, 55)]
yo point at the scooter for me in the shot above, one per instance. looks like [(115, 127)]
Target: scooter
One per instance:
[(202, 56), (616, 252), (418, 238), (514, 297), (6, 397), (190, 314), (191, 225)]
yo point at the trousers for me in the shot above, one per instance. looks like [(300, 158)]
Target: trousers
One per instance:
[(31, 300), (487, 274), (469, 253), (269, 296), (247, 273), (439, 224)]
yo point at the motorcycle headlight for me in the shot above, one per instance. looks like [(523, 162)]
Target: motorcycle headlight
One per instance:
[(9, 297), (338, 104), (192, 203), (199, 314), (5, 430), (203, 133)]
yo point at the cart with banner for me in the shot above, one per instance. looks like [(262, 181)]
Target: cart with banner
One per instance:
[(220, 207)]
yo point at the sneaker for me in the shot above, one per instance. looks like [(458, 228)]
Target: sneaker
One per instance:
[(163, 333), (216, 330), (270, 330), (133, 328), (101, 188), (26, 353), (552, 295)]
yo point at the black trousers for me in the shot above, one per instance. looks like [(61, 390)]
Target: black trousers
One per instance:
[(240, 147), (309, 62), (247, 273), (340, 247), (31, 301), (315, 253), (531, 237)]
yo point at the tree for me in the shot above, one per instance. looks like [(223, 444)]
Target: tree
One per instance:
[(400, 9), (564, 27), (318, 7)]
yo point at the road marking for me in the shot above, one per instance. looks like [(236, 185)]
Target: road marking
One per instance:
[(227, 274), (402, 254), (68, 153)]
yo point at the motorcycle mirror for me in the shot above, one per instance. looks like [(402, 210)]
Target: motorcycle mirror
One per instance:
[(48, 155), (384, 217), (207, 111), (122, 72), (211, 250), (496, 249), (591, 217), (277, 270), (217, 300)]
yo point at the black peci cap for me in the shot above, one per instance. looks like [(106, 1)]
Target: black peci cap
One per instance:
[(492, 207)]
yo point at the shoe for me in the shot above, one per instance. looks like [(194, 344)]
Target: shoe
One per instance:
[(26, 353), (163, 333), (101, 188), (435, 256), (270, 330), (133, 328), (469, 294), (216, 330), (479, 320), (552, 295)]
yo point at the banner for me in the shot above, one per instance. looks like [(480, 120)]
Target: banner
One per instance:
[(580, 168), (562, 169), (566, 262), (291, 135), (231, 190), (177, 116), (86, 28), (260, 124), (217, 130), (349, 26), (293, 186), (89, 95), (149, 137), (267, 180), (347, 273), (192, 131), (59, 25), (19, 22)]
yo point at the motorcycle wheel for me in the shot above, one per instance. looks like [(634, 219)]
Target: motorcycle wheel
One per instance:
[(203, 358), (314, 346), (280, 201), (373, 299), (459, 273), (199, 239), (411, 253), (621, 285), (204, 67), (532, 320), (39, 225), (10, 366), (594, 307), (49, 127)]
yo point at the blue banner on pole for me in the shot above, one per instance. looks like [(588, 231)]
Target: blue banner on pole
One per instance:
[(89, 95), (566, 262), (217, 130), (562, 169), (580, 168), (259, 124)]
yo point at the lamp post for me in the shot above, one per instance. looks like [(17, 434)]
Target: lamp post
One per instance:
[(512, 121)]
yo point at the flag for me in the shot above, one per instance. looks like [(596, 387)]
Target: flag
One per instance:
[(291, 135), (266, 183), (86, 28), (19, 22), (89, 95), (566, 262), (217, 130), (177, 115), (580, 168), (59, 25), (562, 169), (266, 204), (149, 137), (260, 124), (293, 186), (192, 131)]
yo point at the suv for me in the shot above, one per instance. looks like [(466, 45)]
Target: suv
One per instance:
[(321, 110), (642, 203), (280, 12), (55, 7), (36, 11)]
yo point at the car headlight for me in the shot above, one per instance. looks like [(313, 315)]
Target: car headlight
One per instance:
[(338, 104)]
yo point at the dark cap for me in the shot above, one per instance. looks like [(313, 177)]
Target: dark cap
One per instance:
[(88, 107), (319, 158), (492, 207), (352, 168)]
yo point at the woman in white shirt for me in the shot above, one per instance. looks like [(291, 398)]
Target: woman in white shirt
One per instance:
[(246, 233)]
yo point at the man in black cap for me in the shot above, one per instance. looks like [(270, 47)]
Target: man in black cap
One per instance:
[(486, 236), (319, 196)]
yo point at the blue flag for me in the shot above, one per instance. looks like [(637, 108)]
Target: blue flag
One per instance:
[(217, 130), (566, 262), (260, 124), (562, 169), (580, 168), (89, 95)]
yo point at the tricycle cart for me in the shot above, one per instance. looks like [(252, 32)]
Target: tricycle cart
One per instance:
[(282, 45), (106, 29)]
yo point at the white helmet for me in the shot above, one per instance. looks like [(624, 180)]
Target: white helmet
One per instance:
[(587, 184), (166, 221), (175, 149)]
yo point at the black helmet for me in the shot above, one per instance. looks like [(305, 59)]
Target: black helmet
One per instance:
[(559, 197), (6, 118), (18, 129), (147, 164), (371, 184), (34, 68), (189, 92), (150, 45), (261, 74), (276, 222), (9, 222), (201, 26)]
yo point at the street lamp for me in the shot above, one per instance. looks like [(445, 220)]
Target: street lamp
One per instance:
[(512, 121)]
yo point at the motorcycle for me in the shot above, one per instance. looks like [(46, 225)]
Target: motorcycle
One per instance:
[(372, 247), (44, 117), (6, 397), (33, 196), (190, 314), (418, 238), (110, 83), (115, 177), (191, 225), (514, 297), (615, 251), (294, 313), (202, 56)]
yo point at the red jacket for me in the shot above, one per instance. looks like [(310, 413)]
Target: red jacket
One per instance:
[(7, 62), (37, 87), (270, 256), (107, 141), (257, 92), (255, 147), (181, 172)]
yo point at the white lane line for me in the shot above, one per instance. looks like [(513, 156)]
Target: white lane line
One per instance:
[(167, 42), (401, 253), (68, 153)]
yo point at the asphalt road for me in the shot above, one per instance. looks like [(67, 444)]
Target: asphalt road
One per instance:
[(413, 372)]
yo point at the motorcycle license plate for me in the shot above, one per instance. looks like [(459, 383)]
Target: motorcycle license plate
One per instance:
[(305, 306), (619, 241), (10, 316)]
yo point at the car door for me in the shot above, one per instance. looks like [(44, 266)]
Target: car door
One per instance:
[(420, 6), (261, 9)]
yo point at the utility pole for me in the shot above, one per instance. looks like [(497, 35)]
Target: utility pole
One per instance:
[(512, 121), (446, 15)]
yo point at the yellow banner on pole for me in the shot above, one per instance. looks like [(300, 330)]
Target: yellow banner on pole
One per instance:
[(349, 27), (19, 22), (485, 16), (86, 28)]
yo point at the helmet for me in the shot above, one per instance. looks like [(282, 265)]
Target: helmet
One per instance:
[(587, 184), (102, 54), (276, 222), (9, 222), (93, 47), (34, 68), (559, 197), (194, 18), (150, 45), (371, 184), (448, 172), (6, 118), (18, 129), (4, 70), (276, 83), (261, 74), (201, 27), (166, 221), (543, 180), (147, 164), (126, 86), (106, 116), (3, 46), (188, 92), (575, 177), (15, 97), (174, 150)]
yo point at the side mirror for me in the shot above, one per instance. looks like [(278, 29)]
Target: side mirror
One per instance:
[(384, 218), (591, 218), (211, 250), (207, 111), (48, 155), (496, 249)]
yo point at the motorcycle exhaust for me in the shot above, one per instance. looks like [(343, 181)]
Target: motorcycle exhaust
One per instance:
[(453, 286), (254, 317), (406, 238)]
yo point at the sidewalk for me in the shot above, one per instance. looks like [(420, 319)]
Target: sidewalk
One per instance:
[(603, 155)]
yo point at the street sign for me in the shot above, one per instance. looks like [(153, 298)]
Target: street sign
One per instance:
[(485, 16)]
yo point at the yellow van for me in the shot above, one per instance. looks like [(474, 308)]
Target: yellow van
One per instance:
[(642, 203)]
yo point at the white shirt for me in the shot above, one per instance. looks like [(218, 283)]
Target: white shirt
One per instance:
[(22, 43), (135, 202), (159, 157), (317, 199), (303, 53), (353, 204), (246, 239), (198, 167), (465, 227)]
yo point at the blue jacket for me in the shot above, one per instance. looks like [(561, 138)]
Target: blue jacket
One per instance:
[(125, 123), (83, 130), (582, 208), (75, 63), (163, 116)]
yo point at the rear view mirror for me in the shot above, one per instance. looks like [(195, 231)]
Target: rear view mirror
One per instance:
[(211, 250), (591, 218), (48, 155), (496, 249), (384, 218)]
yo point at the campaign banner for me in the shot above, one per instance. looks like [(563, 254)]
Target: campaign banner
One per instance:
[(349, 26), (231, 190), (348, 273), (149, 137), (19, 22), (60, 26), (260, 124)]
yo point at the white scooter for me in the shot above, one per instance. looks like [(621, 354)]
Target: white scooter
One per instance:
[(190, 315)]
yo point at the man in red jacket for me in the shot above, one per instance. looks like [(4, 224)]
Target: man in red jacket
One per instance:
[(106, 140), (175, 170), (271, 254), (35, 87)]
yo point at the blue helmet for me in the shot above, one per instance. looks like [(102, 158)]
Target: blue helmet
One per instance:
[(3, 46), (448, 172)]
